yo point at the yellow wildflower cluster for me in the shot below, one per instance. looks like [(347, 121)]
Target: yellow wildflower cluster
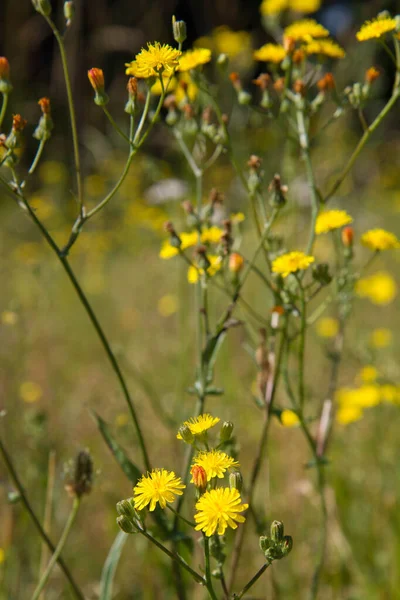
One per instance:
[(291, 263), (380, 288), (153, 61), (353, 401), (376, 28), (325, 48), (273, 7), (305, 29), (215, 463), (380, 239), (274, 53), (194, 58)]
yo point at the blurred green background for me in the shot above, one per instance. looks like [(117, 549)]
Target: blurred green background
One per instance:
[(52, 368)]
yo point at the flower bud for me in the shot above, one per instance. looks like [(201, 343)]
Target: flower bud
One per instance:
[(287, 545), (15, 137), (45, 126), (126, 524), (226, 431), (371, 74), (96, 78), (82, 478), (199, 476), (186, 434), (236, 481), (222, 60), (277, 531), (278, 191), (69, 12), (236, 262), (327, 83), (126, 508), (179, 30), (130, 106), (5, 84), (299, 87), (347, 236), (265, 543), (42, 6), (244, 97), (321, 274)]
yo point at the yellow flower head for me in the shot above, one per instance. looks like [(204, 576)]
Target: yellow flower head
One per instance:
[(194, 58), (215, 265), (380, 288), (365, 396), (273, 7), (305, 6), (325, 48), (376, 28), (212, 235), (270, 53), (332, 219), (380, 239), (291, 262), (215, 463), (158, 58), (348, 414), (381, 338), (368, 374), (306, 29), (158, 486), (217, 509), (289, 418), (188, 239), (200, 424), (168, 84), (327, 327), (231, 42)]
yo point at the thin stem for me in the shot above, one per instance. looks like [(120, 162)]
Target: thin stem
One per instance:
[(45, 577), (35, 520), (190, 523), (142, 119), (208, 568), (114, 125), (302, 344), (324, 529), (3, 108), (252, 581), (38, 155), (48, 511), (71, 108)]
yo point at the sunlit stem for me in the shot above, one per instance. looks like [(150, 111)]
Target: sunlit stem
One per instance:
[(3, 108)]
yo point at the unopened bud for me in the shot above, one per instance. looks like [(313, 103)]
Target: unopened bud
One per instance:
[(299, 87), (179, 30), (199, 477), (69, 12), (226, 431), (223, 60), (277, 531), (236, 481), (5, 83), (287, 545), (321, 274), (96, 78), (42, 6), (126, 524), (236, 262), (126, 508), (235, 79), (289, 44), (371, 74), (186, 434), (265, 543), (45, 126), (326, 83), (132, 85), (244, 97), (278, 191), (15, 137), (347, 236), (279, 85)]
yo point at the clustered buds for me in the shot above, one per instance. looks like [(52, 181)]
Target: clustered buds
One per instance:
[(5, 83), (278, 545), (96, 78), (80, 475), (226, 431), (45, 125), (129, 519)]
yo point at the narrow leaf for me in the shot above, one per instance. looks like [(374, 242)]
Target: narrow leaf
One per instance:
[(110, 566)]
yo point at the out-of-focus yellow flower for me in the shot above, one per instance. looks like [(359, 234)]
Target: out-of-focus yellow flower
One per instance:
[(215, 265), (305, 6), (30, 392), (291, 263), (327, 327), (43, 205), (168, 83), (151, 62), (332, 219), (95, 185), (158, 486), (194, 58), (9, 317), (376, 28), (380, 239), (390, 393), (188, 239), (381, 338), (2, 555), (365, 396), (237, 218), (325, 48), (274, 53), (368, 374), (273, 7), (191, 89), (348, 414), (52, 172), (231, 42), (289, 418), (217, 509), (121, 420), (380, 288), (215, 463), (168, 305), (306, 29), (199, 425), (211, 235)]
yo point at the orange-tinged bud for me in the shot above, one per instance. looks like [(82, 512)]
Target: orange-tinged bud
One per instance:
[(44, 104), (347, 236), (300, 87), (279, 85), (235, 79), (131, 86), (199, 476), (254, 162), (236, 262), (327, 83), (371, 74), (289, 44), (278, 310), (262, 81), (4, 68), (298, 56), (96, 78), (18, 123)]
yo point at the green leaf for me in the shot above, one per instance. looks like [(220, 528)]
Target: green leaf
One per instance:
[(110, 566), (131, 471)]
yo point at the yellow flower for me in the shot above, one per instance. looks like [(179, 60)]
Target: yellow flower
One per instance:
[(368, 374), (200, 424), (217, 509), (191, 89), (30, 392), (270, 53), (306, 29), (291, 263), (390, 393), (121, 420), (168, 83), (154, 61), (273, 7), (237, 218), (9, 317), (167, 305), (348, 414), (365, 396), (289, 418), (324, 47), (158, 486), (305, 6), (376, 28), (2, 555), (332, 219), (211, 235), (380, 239), (215, 463), (327, 327), (231, 42), (380, 288), (215, 265), (194, 58), (188, 239), (381, 338)]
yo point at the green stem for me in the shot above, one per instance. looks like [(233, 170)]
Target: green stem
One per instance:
[(115, 126), (45, 577), (208, 568), (302, 344), (38, 155), (251, 582), (3, 108), (193, 525), (324, 528), (71, 108), (35, 520)]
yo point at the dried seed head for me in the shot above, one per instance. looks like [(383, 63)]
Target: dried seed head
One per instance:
[(82, 478)]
